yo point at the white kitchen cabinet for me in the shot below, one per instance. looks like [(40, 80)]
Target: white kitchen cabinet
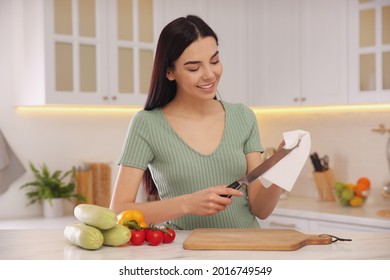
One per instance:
[(326, 227), (282, 53), (283, 222), (228, 18), (83, 52), (299, 52), (306, 224), (369, 51)]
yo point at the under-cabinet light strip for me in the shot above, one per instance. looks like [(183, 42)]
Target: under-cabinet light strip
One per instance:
[(134, 109)]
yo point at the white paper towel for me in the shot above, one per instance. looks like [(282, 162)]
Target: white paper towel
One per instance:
[(286, 171)]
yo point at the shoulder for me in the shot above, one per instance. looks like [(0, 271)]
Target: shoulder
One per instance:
[(239, 110), (144, 116), (144, 121)]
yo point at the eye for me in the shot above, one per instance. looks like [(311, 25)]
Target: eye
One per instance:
[(215, 60), (194, 69)]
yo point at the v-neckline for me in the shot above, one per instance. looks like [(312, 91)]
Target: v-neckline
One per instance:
[(186, 144)]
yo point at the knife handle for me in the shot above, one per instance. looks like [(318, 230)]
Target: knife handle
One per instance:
[(235, 185)]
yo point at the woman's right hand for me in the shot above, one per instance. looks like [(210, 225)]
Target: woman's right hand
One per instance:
[(210, 201)]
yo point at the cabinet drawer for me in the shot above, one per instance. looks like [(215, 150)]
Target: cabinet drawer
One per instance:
[(322, 226), (283, 222)]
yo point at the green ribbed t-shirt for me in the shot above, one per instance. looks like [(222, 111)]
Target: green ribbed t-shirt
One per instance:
[(178, 169)]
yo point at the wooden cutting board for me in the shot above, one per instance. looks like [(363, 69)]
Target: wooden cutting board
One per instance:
[(251, 239)]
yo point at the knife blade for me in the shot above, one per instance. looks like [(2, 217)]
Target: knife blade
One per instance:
[(260, 169)]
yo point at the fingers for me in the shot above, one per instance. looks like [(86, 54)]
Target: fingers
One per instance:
[(224, 191), (213, 208), (212, 200), (218, 199)]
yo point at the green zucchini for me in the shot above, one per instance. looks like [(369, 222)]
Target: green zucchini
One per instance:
[(116, 236), (95, 215), (84, 236)]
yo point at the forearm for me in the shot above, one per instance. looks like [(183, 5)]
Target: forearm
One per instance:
[(156, 212), (263, 202)]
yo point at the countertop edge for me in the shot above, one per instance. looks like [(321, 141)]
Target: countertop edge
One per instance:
[(308, 208)]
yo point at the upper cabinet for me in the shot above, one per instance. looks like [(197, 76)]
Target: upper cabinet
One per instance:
[(274, 52), (298, 52), (84, 51), (228, 18), (370, 51)]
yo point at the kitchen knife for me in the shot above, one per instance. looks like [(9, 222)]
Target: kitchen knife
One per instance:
[(262, 168)]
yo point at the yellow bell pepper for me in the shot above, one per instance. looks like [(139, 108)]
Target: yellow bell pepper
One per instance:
[(132, 218)]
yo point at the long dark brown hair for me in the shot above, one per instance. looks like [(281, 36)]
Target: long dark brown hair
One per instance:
[(173, 40)]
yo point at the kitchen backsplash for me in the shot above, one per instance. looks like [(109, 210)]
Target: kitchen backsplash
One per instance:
[(63, 139), (354, 150)]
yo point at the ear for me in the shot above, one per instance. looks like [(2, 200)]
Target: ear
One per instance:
[(170, 75)]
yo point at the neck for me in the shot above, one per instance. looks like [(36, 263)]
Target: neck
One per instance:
[(186, 108)]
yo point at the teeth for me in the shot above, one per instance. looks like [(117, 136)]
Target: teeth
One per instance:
[(208, 86)]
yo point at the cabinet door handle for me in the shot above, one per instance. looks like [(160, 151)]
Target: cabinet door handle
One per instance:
[(279, 224), (301, 99), (105, 97), (113, 98)]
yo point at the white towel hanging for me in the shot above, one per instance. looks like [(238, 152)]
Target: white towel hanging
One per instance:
[(4, 157), (11, 167)]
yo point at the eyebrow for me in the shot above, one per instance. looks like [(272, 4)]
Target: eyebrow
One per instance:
[(196, 62)]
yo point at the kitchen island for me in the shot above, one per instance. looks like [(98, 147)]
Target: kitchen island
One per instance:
[(50, 244)]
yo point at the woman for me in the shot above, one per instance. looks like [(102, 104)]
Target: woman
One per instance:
[(190, 145)]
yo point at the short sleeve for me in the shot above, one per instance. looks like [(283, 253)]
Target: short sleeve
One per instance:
[(136, 150), (252, 143)]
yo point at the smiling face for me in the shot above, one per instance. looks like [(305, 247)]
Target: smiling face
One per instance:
[(198, 70)]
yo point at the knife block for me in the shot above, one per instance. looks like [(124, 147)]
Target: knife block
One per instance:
[(94, 182), (325, 181)]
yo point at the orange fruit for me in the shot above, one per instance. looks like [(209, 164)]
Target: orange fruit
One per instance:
[(364, 181), (350, 186), (361, 189), (356, 201)]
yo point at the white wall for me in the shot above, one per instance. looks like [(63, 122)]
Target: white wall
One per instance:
[(60, 139), (346, 137), (65, 139)]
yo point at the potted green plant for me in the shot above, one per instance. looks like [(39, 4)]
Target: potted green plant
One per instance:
[(52, 189)]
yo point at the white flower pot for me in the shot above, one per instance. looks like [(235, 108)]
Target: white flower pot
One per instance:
[(53, 208)]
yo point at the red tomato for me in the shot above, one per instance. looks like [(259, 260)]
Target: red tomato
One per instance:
[(155, 237), (137, 237), (169, 238), (146, 230)]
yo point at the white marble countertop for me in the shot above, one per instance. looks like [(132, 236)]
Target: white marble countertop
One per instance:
[(50, 244), (309, 208), (42, 238), (294, 206)]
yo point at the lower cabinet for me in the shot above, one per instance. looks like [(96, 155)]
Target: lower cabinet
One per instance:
[(283, 222), (313, 225), (325, 227)]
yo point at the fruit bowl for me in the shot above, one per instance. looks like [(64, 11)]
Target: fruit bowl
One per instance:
[(352, 195)]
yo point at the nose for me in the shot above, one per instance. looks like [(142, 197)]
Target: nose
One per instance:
[(208, 73)]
